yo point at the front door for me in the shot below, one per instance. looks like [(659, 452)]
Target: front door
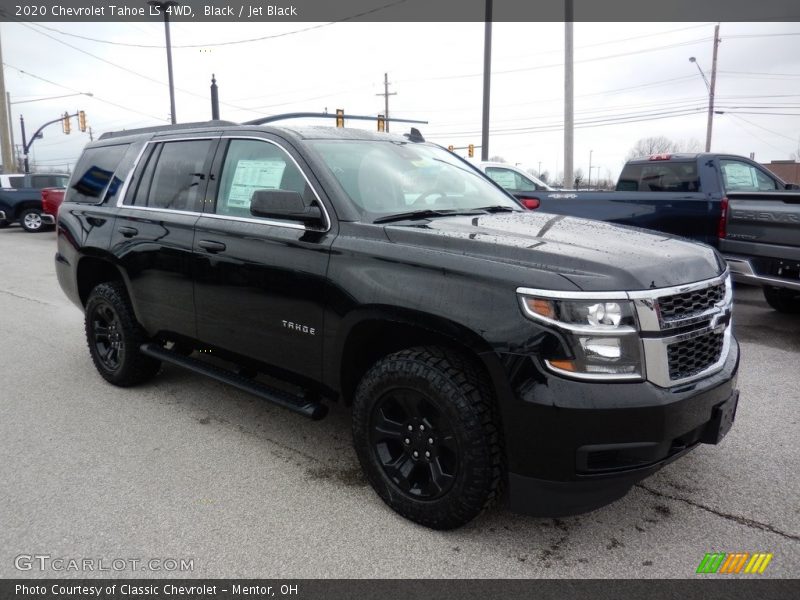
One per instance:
[(260, 282)]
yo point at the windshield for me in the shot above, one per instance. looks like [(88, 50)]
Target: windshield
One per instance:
[(384, 178)]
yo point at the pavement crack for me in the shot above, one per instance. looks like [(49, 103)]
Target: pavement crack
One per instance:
[(736, 518), (28, 298)]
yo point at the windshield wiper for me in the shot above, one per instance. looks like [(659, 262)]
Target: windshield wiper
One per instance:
[(498, 208), (424, 214)]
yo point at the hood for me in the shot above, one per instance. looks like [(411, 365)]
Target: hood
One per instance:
[(594, 255)]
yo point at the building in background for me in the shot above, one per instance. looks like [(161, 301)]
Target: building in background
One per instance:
[(788, 170)]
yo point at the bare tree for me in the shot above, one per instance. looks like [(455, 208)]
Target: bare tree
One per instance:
[(662, 145), (498, 159)]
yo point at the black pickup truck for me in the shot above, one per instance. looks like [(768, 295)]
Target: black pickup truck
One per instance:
[(682, 194), (482, 347)]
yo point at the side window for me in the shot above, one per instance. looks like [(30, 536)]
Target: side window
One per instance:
[(524, 184), (17, 182), (502, 177), (739, 176), (255, 165), (179, 178)]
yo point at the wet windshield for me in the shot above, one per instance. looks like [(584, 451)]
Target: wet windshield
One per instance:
[(385, 178)]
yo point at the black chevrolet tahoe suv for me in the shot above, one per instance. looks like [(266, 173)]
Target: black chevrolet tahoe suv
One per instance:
[(482, 348)]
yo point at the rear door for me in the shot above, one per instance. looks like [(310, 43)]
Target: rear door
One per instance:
[(260, 282), (154, 230)]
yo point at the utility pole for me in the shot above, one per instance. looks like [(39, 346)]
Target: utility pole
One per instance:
[(589, 181), (91, 135), (711, 89), (487, 80), (569, 85), (5, 123), (165, 8), (386, 95)]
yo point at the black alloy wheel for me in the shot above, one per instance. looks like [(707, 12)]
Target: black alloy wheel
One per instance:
[(414, 443)]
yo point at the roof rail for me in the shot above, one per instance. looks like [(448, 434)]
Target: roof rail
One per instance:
[(304, 115), (159, 128)]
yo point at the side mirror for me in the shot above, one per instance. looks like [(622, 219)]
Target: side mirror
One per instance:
[(283, 204)]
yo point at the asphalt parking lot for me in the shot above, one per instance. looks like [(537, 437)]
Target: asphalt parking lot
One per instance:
[(186, 468)]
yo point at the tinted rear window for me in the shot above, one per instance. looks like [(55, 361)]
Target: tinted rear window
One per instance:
[(95, 176), (659, 176)]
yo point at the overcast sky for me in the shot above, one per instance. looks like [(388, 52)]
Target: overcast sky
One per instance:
[(635, 71)]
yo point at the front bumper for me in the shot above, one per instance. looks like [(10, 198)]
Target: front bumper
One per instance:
[(574, 446)]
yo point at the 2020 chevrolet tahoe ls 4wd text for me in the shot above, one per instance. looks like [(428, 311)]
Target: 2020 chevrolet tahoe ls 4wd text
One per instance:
[(483, 347)]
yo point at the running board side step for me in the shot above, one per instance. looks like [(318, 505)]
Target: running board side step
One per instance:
[(309, 408)]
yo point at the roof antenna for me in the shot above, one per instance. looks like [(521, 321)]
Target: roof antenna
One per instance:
[(415, 135)]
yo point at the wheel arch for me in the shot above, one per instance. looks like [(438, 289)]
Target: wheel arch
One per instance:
[(373, 332), (93, 269)]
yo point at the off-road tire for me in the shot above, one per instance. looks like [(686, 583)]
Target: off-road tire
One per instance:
[(783, 300), (114, 337), (454, 386)]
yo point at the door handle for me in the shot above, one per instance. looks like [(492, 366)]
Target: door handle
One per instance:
[(128, 232), (211, 246)]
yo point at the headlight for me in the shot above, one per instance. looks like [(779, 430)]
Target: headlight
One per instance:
[(601, 333)]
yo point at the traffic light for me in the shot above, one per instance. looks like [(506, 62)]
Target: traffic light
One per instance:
[(340, 117), (81, 120), (65, 126), (451, 147), (381, 123), (471, 150)]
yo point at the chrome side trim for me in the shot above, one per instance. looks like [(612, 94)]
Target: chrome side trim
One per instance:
[(273, 223)]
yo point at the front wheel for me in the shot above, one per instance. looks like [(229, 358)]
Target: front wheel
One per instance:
[(427, 437), (31, 220), (114, 337), (783, 300)]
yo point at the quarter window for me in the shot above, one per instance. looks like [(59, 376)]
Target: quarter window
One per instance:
[(252, 165), (511, 180)]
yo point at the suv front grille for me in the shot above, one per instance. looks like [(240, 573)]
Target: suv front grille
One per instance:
[(693, 356), (689, 304)]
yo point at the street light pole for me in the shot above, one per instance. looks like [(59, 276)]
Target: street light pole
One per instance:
[(164, 8), (487, 79), (711, 87)]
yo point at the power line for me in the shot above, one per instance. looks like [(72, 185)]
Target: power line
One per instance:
[(94, 97)]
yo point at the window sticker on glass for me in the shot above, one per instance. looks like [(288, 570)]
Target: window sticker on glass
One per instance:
[(254, 175)]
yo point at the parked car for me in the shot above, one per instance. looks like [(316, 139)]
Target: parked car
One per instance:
[(482, 346), (517, 182), (21, 199)]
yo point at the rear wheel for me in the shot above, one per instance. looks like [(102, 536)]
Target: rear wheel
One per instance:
[(114, 337), (31, 220), (783, 300), (427, 438)]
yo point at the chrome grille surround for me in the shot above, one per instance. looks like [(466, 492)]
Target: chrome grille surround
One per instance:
[(694, 327)]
